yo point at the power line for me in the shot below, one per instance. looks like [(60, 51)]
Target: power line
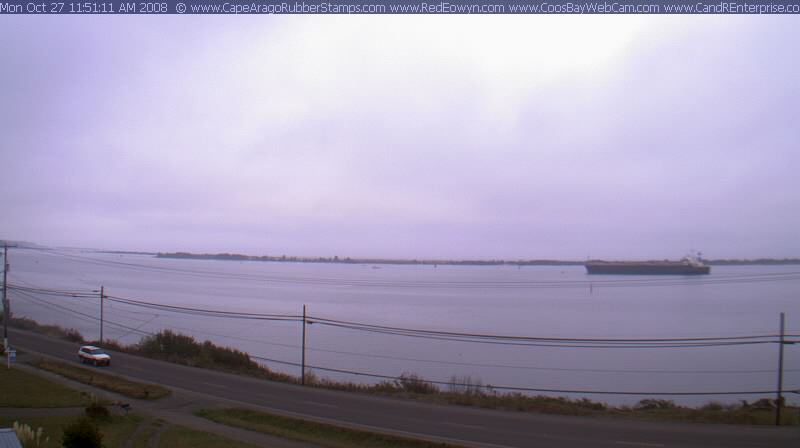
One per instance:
[(205, 311), (553, 344), (325, 321), (465, 364), (54, 292), (469, 364), (45, 304), (515, 388), (540, 368), (716, 341), (42, 302), (550, 341)]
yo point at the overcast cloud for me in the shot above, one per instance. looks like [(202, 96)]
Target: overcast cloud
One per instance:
[(442, 136)]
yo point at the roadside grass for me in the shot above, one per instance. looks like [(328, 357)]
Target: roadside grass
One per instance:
[(27, 390), (520, 403), (176, 436), (761, 412), (118, 429), (320, 434), (24, 390), (24, 323), (466, 391), (105, 381), (182, 437), (141, 438)]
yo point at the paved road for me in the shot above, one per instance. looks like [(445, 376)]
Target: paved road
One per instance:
[(460, 425)]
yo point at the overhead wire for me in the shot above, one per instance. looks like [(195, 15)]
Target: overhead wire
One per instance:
[(313, 349), (553, 344), (55, 292), (533, 368), (716, 341), (322, 320), (517, 388), (79, 314), (205, 311), (739, 340)]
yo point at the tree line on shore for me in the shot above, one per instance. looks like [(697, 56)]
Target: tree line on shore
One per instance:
[(400, 261)]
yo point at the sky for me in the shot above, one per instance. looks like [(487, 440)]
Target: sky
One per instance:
[(496, 137)]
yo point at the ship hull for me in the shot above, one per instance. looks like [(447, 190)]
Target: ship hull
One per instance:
[(632, 268)]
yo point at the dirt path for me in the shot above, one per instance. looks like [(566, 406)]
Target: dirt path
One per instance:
[(155, 439), (40, 412), (143, 426)]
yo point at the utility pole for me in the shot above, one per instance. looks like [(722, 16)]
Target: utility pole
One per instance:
[(303, 358), (102, 296), (6, 311), (779, 401)]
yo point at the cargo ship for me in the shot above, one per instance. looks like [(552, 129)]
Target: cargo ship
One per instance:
[(689, 265)]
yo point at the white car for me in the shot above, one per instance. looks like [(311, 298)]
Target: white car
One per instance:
[(94, 355)]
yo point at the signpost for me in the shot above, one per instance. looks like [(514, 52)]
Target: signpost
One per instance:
[(11, 355)]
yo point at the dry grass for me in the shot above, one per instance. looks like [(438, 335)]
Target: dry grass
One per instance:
[(105, 381), (24, 390), (319, 434)]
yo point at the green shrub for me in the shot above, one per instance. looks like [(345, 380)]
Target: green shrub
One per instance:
[(109, 344), (227, 356), (171, 345), (186, 350), (97, 412), (73, 335), (589, 404), (764, 403), (23, 323), (83, 433), (412, 383), (385, 387), (465, 385), (652, 403), (712, 406)]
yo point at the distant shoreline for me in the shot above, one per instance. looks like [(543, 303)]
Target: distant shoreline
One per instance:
[(398, 261), (349, 260)]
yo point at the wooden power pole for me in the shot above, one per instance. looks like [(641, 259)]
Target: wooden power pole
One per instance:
[(6, 307), (779, 401)]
